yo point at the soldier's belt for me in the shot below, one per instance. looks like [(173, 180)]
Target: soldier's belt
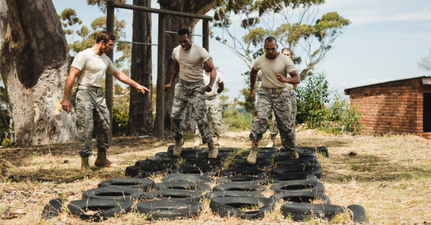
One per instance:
[(275, 90), (189, 83), (211, 97), (90, 88)]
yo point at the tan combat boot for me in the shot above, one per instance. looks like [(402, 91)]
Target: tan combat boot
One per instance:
[(102, 161), (294, 154), (271, 141), (212, 149), (84, 163), (251, 159), (178, 144)]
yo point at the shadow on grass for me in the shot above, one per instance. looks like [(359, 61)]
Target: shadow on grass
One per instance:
[(370, 168)]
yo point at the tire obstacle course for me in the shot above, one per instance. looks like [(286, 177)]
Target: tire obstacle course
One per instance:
[(238, 191)]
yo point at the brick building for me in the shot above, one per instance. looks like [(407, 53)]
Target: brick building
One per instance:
[(399, 106)]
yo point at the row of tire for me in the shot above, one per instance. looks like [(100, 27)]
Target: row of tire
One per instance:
[(270, 161), (179, 194)]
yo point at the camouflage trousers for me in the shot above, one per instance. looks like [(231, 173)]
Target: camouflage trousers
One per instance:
[(214, 115), (91, 112), (273, 123), (281, 103), (194, 94)]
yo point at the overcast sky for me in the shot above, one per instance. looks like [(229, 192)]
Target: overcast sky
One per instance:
[(385, 41)]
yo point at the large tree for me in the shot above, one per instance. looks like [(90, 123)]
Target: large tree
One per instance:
[(141, 113), (34, 61), (174, 23), (294, 23)]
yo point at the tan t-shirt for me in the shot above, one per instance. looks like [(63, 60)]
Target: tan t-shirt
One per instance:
[(191, 62), (207, 79), (270, 67), (93, 68)]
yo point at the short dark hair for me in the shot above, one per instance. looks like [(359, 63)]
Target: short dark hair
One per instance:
[(270, 39), (105, 36), (184, 31)]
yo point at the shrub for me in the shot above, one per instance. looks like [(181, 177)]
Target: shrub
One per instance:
[(120, 119), (6, 142)]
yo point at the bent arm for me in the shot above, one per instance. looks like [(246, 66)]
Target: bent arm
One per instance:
[(294, 78), (209, 66), (253, 78), (220, 87)]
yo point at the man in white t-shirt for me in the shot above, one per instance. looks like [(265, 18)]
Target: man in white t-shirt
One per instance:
[(188, 59), (213, 106), (275, 93), (89, 68)]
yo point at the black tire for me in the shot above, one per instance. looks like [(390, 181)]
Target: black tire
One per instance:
[(158, 163), (298, 170), (286, 177), (302, 151), (183, 185), (267, 150), (304, 211), (282, 161), (170, 209), (139, 171), (229, 206), (240, 186), (184, 195), (217, 194), (198, 162), (53, 208), (197, 170), (260, 164), (301, 197), (113, 192), (243, 171), (139, 183), (358, 213), (241, 178), (194, 178), (185, 153), (109, 207), (289, 186), (323, 150)]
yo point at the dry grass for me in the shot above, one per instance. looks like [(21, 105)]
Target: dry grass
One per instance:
[(389, 176)]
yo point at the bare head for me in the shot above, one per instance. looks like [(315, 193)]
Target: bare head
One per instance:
[(271, 47), (184, 38)]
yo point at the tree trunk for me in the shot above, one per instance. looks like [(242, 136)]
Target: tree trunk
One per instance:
[(174, 23), (141, 112), (34, 65)]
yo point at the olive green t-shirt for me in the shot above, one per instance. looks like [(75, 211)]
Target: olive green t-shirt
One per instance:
[(270, 67), (191, 62)]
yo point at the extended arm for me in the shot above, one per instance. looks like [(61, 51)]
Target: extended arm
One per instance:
[(65, 104), (125, 79)]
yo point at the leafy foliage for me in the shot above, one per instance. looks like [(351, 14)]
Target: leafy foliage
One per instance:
[(312, 110), (120, 121)]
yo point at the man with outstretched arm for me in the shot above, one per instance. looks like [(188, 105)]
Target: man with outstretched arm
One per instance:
[(89, 68), (276, 93), (188, 60)]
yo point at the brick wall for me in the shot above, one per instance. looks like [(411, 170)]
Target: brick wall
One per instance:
[(392, 107)]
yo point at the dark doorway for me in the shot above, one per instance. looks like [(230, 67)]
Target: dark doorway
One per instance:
[(427, 112)]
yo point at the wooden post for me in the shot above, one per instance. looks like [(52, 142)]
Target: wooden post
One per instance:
[(108, 77), (206, 36), (160, 100)]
